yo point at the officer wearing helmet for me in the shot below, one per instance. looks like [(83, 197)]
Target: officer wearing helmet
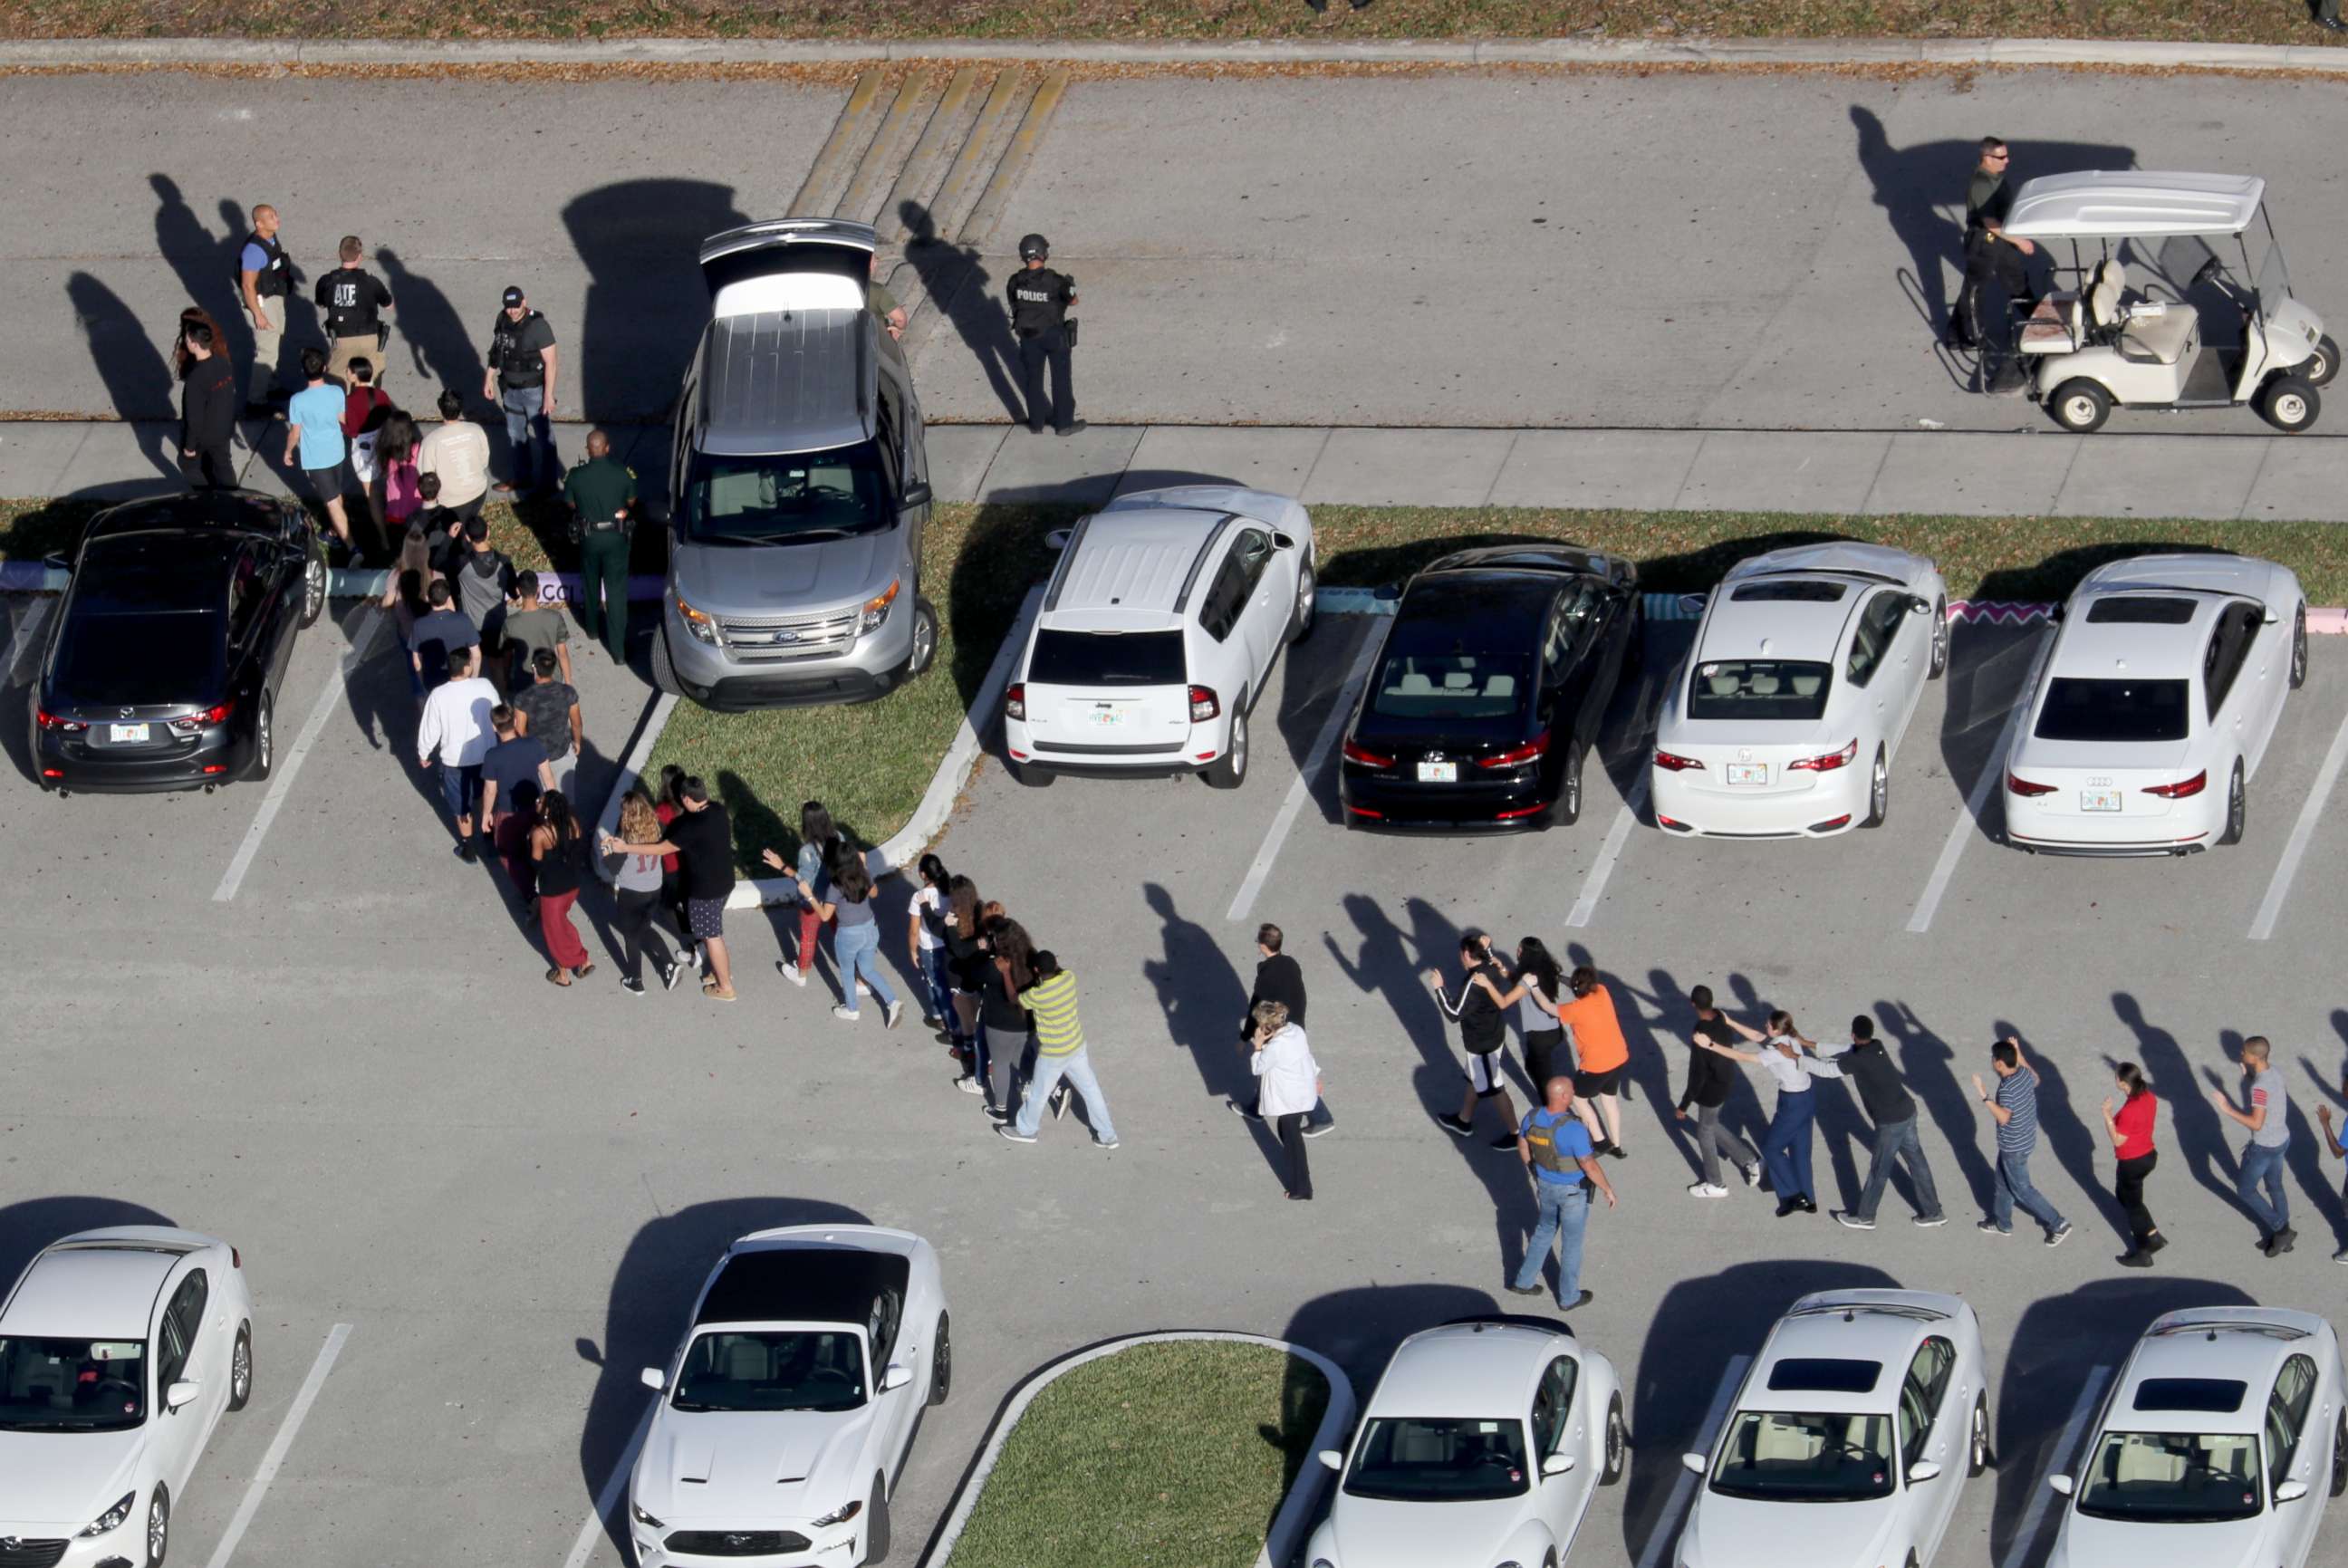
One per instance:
[(1040, 299)]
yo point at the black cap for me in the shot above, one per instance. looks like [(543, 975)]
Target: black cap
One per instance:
[(514, 295)]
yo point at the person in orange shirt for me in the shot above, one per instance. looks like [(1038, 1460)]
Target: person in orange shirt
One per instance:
[(1600, 1051)]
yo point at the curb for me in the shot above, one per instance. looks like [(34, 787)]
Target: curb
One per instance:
[(1953, 53), (1285, 1537)]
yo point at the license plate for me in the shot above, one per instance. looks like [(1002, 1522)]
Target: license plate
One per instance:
[(1438, 773), (2099, 799), (1748, 773), (125, 734), (1108, 717)]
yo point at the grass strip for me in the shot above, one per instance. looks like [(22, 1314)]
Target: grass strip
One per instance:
[(1169, 1455)]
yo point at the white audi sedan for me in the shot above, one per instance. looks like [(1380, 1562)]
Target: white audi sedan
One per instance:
[(1807, 668), (120, 1350), (1484, 1443), (2156, 702), (2217, 1447), (786, 1411), (1864, 1414)]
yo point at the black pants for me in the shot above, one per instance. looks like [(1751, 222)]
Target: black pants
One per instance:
[(1049, 346), (1544, 1059), (210, 469), (637, 912), (1291, 1139), (2127, 1186)]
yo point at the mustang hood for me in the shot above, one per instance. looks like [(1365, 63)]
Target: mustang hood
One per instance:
[(749, 1467), (1739, 1533), (727, 580), (64, 1478)]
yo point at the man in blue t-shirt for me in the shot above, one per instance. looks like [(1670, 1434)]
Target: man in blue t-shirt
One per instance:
[(1556, 1147), (314, 429)]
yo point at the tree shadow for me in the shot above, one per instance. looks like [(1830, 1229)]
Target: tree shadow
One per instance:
[(137, 376), (955, 280), (2060, 1128), (646, 303), (1928, 1063), (439, 350), (2200, 1134), (29, 1226)]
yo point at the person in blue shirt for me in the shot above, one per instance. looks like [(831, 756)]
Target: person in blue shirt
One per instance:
[(313, 427), (1554, 1143)]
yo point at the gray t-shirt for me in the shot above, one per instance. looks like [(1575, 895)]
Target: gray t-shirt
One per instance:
[(848, 914), (638, 873), (2267, 1090)]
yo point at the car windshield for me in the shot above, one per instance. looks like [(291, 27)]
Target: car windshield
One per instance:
[(777, 499), (1766, 689), (1789, 1457), (2172, 1477), (772, 1369), (1454, 686), (72, 1385), (1422, 1461), (138, 657), (2097, 710), (1107, 659)]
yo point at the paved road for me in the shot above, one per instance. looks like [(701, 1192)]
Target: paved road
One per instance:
[(1511, 250), (353, 1070)]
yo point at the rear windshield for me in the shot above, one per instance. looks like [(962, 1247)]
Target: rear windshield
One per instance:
[(1454, 686), (1107, 659), (174, 657), (2140, 612), (2080, 709), (1794, 689), (804, 496), (1819, 1374), (1800, 589)]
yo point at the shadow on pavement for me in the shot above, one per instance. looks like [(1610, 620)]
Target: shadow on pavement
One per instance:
[(2064, 1131), (1928, 1063), (956, 281), (28, 1226), (1203, 997), (646, 303), (137, 376), (2198, 1133), (2305, 1156), (440, 351)]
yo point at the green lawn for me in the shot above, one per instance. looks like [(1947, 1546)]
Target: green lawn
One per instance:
[(1172, 1455)]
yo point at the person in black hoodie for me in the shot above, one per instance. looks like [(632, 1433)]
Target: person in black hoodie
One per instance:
[(1889, 1105), (1277, 978), (1483, 1028), (208, 408), (1710, 1081)]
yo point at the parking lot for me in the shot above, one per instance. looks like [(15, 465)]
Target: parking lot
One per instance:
[(351, 1067)]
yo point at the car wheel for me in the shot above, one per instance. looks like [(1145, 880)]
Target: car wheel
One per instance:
[(1940, 663), (1878, 792), (2318, 368), (239, 1368), (2237, 809), (1977, 1446), (663, 668), (2298, 649), (1229, 771), (926, 637), (876, 1532), (2080, 405), (158, 1526), (941, 1361), (2340, 1455), (314, 585), (2289, 404), (1300, 626), (1033, 777), (1618, 1444), (1567, 810), (264, 740)]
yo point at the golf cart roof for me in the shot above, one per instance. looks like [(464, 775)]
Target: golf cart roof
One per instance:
[(2135, 204)]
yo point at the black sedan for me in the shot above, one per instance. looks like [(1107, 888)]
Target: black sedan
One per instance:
[(1489, 690), (163, 668)]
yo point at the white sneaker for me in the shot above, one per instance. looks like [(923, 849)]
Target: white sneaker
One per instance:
[(894, 1011), (968, 1083), (790, 972), (1752, 1175), (862, 989), (844, 1011), (1706, 1190)]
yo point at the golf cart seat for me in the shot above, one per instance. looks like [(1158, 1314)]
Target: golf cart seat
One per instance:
[(2160, 336)]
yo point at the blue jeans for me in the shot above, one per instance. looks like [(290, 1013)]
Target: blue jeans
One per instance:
[(1077, 1070), (1564, 1214), (1786, 1147), (1898, 1139), (460, 789), (527, 428), (857, 950), (933, 976), (2263, 1166), (2013, 1190)]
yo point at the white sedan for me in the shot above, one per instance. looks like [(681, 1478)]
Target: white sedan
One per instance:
[(2155, 705), (1807, 668), (119, 1349), (786, 1411), (2215, 1448), (1484, 1443), (1864, 1415)]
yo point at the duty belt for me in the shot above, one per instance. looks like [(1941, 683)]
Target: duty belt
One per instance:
[(607, 525)]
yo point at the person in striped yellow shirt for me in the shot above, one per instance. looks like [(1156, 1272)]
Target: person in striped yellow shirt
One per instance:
[(1059, 1054)]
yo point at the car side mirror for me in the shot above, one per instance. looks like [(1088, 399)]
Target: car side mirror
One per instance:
[(1697, 1464), (916, 494), (2055, 612), (1334, 1458), (184, 1391), (654, 1378), (2269, 617), (55, 563), (1058, 537), (2061, 1483), (1922, 1471), (1919, 605), (1557, 1464), (895, 1379), (2291, 1491), (1283, 542)]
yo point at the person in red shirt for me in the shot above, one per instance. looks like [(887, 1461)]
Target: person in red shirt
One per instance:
[(2129, 1127), (362, 399)]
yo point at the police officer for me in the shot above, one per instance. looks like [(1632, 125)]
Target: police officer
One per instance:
[(1997, 283), (523, 361), (603, 496), (1040, 299), (351, 299), (264, 278)]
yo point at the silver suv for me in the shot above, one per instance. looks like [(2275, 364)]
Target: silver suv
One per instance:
[(799, 483)]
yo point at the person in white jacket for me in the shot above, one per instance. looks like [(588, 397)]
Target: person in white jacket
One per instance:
[(456, 726), (1291, 1088)]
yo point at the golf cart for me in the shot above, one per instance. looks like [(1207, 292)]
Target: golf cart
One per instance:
[(2150, 310)]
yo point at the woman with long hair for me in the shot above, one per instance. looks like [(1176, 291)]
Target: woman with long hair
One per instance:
[(1003, 1022), (819, 843), (845, 897), (196, 315), (2129, 1127), (637, 888), (554, 849), (1537, 993), (394, 495), (925, 947), (406, 585), (963, 926), (666, 805)]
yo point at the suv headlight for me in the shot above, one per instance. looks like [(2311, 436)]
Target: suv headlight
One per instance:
[(113, 1517), (637, 1511), (840, 1515), (696, 622), (876, 609)]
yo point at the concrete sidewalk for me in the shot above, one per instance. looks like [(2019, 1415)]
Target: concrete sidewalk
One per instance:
[(1869, 473)]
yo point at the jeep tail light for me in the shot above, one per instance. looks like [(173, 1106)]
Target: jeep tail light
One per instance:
[(48, 721), (2182, 787), (1517, 756), (1014, 701), (1827, 764), (2017, 785), (1203, 706), (1356, 752), (1672, 762)]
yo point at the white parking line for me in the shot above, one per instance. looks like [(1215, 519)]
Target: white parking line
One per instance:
[(1963, 830), (2301, 833), (1302, 788), (282, 783), (27, 630), (2017, 1550), (1593, 885), (608, 1499), (279, 1445), (1676, 1505)]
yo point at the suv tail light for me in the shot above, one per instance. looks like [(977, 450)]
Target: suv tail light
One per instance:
[(1672, 762), (1014, 701), (1355, 752), (48, 721), (1517, 756), (196, 721), (1827, 764), (2182, 787), (2017, 785), (1203, 704)]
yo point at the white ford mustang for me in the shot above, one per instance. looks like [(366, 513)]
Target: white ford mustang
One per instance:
[(786, 1411)]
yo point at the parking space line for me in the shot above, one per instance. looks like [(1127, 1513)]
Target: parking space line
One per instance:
[(282, 783), (1593, 886), (2301, 833), (1961, 830), (280, 1444), (1301, 787), (1675, 1502), (2017, 1550), (608, 1499), (27, 630)]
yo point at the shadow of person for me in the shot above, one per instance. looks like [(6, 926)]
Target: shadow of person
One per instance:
[(2065, 1135), (439, 350), (204, 262), (1203, 998), (1929, 1065), (27, 1226), (2304, 1156), (956, 279), (2199, 1133), (138, 379), (659, 1276)]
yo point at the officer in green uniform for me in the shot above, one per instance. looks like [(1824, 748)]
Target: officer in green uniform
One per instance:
[(602, 492)]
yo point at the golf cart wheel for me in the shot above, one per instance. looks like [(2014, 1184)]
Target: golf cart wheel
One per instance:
[(2080, 405), (2321, 367), (2289, 404)]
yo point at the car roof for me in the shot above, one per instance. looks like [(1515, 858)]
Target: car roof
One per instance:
[(1535, 558), (197, 515), (1880, 1326), (2135, 203), (82, 1289), (790, 381), (801, 1277), (2093, 649), (1777, 628), (1478, 606), (2244, 1344), (1134, 563), (1467, 1369), (2197, 572), (1834, 557)]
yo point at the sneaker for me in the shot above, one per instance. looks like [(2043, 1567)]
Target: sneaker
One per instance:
[(1070, 428), (1506, 1141), (934, 1024), (1752, 1175), (1242, 1112), (2339, 1257), (968, 1083), (842, 1011), (1706, 1190), (1788, 1206), (1926, 1222), (2155, 1243), (862, 989), (1012, 1133), (467, 853), (2285, 1239), (1849, 1221), (998, 1113), (1060, 1102), (1111, 1143), (1807, 1205), (2059, 1234), (719, 993), (1524, 1289), (894, 1011), (1451, 1123), (2138, 1259), (693, 957), (671, 976), (632, 987), (1319, 1129), (1991, 1228), (1616, 1151), (790, 971), (1584, 1299)]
